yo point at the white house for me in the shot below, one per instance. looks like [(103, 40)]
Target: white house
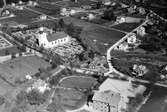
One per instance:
[(52, 39), (43, 17), (141, 31), (132, 38), (123, 19)]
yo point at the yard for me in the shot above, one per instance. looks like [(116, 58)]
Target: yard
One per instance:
[(100, 37), (69, 99), (17, 68)]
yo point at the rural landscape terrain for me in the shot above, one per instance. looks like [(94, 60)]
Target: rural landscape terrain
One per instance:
[(83, 56)]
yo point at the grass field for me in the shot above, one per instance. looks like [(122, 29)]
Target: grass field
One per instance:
[(48, 9), (9, 50), (79, 82), (77, 22), (19, 67), (101, 37), (128, 27), (70, 99), (21, 16)]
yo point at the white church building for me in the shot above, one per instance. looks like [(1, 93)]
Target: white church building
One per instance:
[(49, 39)]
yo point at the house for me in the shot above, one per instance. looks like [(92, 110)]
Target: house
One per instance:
[(107, 2), (123, 46), (49, 39), (32, 3), (123, 19), (106, 101), (43, 17), (132, 38), (141, 31), (140, 70)]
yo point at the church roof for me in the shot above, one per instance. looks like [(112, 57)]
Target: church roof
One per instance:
[(54, 36)]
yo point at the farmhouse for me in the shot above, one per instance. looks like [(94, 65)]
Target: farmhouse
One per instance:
[(49, 39)]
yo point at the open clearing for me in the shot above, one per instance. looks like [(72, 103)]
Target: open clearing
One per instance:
[(19, 67), (127, 27), (70, 99), (21, 16)]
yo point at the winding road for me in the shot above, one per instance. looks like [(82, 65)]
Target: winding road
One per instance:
[(109, 57)]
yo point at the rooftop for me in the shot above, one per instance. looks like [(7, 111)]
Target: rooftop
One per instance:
[(54, 36), (108, 97), (118, 86)]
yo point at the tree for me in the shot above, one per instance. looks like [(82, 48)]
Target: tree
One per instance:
[(61, 23), (98, 4), (109, 15), (34, 97)]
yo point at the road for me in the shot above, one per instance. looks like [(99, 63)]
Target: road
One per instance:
[(2, 18), (115, 45), (112, 69)]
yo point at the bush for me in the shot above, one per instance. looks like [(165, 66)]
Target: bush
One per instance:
[(36, 98)]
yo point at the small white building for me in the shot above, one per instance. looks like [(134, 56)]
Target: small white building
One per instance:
[(13, 4), (132, 38), (43, 17), (52, 39), (20, 2), (140, 69), (123, 19), (141, 31), (123, 46)]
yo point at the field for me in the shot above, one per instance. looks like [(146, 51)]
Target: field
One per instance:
[(9, 50), (5, 92), (77, 22), (78, 4), (47, 9), (19, 67), (127, 27), (21, 17), (101, 37), (79, 82), (69, 99)]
